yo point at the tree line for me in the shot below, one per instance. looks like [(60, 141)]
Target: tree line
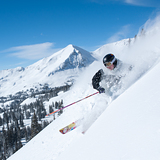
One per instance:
[(14, 132), (14, 129)]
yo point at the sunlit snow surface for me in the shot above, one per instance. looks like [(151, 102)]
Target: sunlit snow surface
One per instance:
[(127, 128)]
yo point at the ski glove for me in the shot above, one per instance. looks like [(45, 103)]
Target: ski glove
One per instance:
[(101, 90)]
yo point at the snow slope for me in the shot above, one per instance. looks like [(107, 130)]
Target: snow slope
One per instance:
[(127, 128)]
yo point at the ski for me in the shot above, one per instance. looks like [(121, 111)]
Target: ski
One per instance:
[(70, 127)]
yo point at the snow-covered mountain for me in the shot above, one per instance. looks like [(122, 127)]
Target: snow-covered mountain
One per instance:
[(69, 60), (124, 129)]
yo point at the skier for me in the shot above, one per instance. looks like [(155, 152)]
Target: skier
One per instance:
[(110, 81)]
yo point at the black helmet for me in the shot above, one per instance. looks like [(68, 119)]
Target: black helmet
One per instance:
[(109, 59)]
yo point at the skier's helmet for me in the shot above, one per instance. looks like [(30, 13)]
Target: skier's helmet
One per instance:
[(109, 59)]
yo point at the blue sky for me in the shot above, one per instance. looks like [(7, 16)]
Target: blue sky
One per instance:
[(33, 29)]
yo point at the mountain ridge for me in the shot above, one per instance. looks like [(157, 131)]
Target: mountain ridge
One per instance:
[(70, 59)]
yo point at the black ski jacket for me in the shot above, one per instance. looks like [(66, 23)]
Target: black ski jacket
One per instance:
[(97, 78), (112, 78)]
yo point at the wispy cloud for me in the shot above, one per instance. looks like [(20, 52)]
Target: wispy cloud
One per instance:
[(144, 3), (121, 34), (125, 30), (133, 2), (32, 52)]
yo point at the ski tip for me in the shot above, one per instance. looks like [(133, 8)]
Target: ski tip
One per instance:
[(61, 131)]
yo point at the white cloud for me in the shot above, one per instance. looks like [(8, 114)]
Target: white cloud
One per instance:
[(133, 2), (145, 3), (32, 52), (107, 1)]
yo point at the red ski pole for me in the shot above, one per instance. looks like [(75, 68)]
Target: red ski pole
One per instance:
[(72, 103)]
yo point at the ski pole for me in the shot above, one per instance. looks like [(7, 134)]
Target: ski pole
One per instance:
[(72, 103)]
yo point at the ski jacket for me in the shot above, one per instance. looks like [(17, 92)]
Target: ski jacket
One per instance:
[(111, 80)]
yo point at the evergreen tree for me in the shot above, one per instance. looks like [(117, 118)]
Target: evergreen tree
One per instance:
[(11, 138), (56, 105), (21, 120), (5, 142), (50, 109), (1, 121), (142, 32), (135, 37), (59, 107), (27, 114), (17, 135), (34, 126), (1, 144), (28, 133)]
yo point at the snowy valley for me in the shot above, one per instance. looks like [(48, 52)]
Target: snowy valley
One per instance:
[(124, 128)]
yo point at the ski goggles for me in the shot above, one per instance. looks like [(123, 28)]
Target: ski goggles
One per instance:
[(108, 64)]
